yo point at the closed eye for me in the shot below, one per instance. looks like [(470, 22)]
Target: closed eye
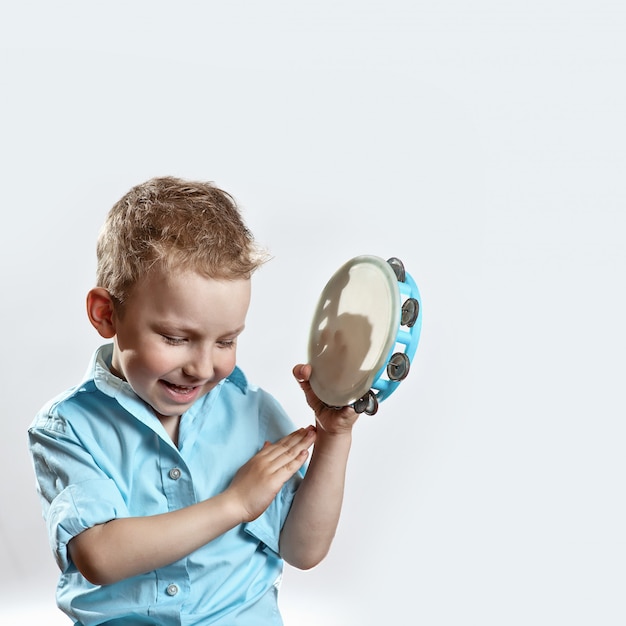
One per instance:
[(173, 341), (227, 343)]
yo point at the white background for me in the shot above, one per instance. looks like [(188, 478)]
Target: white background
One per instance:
[(481, 142)]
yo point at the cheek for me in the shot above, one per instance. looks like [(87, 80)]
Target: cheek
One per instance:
[(225, 361), (150, 362)]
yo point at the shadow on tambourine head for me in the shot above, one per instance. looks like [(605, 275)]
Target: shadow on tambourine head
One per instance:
[(364, 332)]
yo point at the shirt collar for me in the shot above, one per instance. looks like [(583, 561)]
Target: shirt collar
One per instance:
[(238, 378), (100, 372)]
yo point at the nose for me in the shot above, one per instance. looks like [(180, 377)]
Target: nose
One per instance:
[(199, 364)]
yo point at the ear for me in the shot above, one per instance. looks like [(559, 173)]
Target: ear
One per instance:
[(101, 312)]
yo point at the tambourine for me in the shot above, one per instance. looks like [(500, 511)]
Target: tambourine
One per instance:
[(364, 333)]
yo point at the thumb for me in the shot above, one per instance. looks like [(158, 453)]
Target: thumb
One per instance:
[(302, 372)]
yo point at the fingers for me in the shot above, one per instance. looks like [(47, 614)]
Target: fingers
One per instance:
[(257, 482), (287, 454), (288, 448)]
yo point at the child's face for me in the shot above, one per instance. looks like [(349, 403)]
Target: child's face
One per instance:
[(176, 339)]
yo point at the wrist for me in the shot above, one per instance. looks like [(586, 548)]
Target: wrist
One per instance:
[(333, 439), (231, 507)]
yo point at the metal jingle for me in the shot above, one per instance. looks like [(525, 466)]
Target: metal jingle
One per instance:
[(398, 267), (398, 366), (367, 404), (410, 312), (372, 405), (361, 404)]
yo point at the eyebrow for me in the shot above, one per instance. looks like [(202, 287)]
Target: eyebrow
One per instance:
[(185, 330), (235, 332)]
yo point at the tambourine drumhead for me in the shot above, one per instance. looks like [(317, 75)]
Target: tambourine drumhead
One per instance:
[(353, 329)]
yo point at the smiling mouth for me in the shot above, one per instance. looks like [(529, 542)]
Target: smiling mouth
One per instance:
[(180, 389)]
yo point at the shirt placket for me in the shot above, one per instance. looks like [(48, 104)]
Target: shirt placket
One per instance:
[(173, 583)]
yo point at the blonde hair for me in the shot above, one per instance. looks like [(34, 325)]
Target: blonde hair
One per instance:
[(173, 224)]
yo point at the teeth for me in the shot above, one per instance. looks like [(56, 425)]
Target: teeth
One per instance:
[(180, 387)]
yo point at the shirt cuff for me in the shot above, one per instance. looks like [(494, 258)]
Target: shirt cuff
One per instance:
[(79, 507)]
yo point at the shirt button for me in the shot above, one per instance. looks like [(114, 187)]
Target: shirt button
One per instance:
[(171, 590), (174, 473)]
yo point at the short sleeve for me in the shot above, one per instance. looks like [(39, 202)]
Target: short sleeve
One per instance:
[(75, 493), (79, 507)]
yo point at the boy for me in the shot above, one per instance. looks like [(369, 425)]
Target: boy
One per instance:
[(172, 488)]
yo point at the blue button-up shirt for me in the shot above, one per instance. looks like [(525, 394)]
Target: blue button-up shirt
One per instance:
[(100, 453)]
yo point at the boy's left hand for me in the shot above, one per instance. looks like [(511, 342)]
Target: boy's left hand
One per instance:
[(330, 419)]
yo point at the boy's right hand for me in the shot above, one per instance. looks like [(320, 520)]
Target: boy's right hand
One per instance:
[(257, 482)]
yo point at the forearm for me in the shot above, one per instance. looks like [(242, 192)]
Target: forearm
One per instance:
[(312, 521), (126, 547)]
